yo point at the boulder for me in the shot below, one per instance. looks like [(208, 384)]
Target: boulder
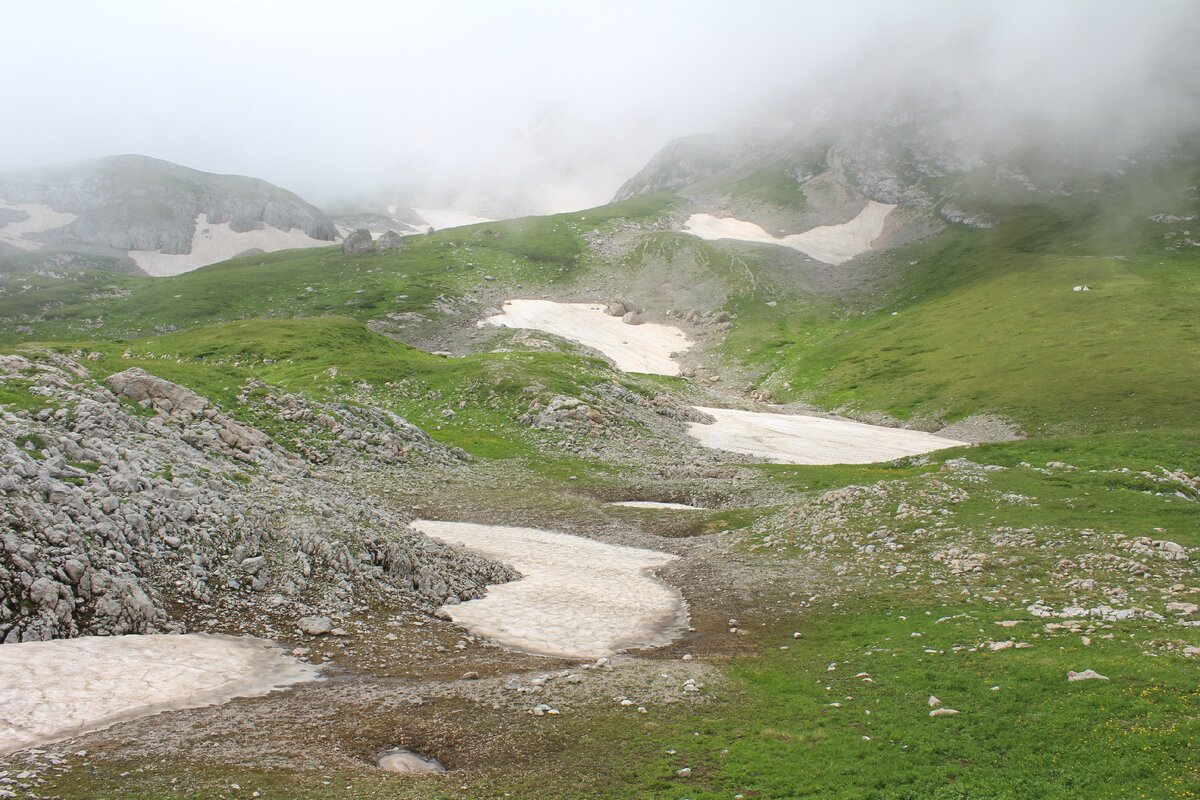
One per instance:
[(315, 626), (390, 240), (358, 241), (148, 390)]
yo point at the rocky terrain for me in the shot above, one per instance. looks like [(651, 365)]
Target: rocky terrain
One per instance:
[(133, 506)]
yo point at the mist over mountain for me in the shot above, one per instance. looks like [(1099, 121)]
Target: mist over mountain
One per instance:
[(535, 108)]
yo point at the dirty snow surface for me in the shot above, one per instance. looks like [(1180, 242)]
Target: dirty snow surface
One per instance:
[(633, 348), (39, 218), (832, 244), (655, 504), (795, 439), (54, 690), (578, 598), (212, 243)]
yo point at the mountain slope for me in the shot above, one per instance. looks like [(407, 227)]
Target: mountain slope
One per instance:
[(147, 215), (830, 606)]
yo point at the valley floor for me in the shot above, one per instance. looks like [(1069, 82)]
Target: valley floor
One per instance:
[(829, 605), (1012, 619)]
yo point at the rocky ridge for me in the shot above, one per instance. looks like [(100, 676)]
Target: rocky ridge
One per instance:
[(136, 507)]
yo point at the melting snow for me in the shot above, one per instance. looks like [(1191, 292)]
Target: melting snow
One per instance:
[(578, 598), (54, 690), (832, 244), (795, 439), (633, 348), (441, 218), (41, 218), (212, 243)]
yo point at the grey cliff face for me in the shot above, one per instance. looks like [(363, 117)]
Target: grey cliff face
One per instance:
[(138, 203)]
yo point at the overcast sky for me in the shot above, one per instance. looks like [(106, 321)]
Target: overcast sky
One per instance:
[(331, 99)]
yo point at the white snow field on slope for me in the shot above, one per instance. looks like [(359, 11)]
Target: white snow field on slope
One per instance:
[(213, 243), (578, 598), (797, 439), (633, 348), (41, 218), (832, 244), (441, 218), (54, 690)]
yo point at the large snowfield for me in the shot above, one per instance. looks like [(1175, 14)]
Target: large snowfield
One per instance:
[(831, 244), (579, 598), (633, 348)]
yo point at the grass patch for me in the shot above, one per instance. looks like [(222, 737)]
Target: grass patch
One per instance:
[(776, 186)]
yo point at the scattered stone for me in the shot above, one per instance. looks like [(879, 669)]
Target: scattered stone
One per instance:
[(943, 712), (315, 626), (1086, 675), (401, 760)]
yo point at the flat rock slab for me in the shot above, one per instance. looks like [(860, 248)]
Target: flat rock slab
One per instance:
[(799, 439), (831, 244), (633, 348), (50, 691), (400, 760), (578, 598), (655, 504)]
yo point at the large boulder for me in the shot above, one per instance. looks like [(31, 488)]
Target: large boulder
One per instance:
[(390, 240), (358, 241), (149, 390)]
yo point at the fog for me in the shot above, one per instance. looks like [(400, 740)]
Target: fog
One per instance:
[(552, 105)]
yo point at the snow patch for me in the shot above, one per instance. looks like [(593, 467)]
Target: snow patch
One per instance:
[(402, 228), (212, 243), (799, 439), (441, 218), (832, 244), (41, 218), (633, 348), (578, 598), (50, 691)]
